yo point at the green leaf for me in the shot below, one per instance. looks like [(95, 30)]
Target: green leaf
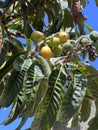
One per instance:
[(86, 69), (93, 124), (40, 94), (14, 84), (50, 15), (11, 114), (53, 10), (74, 121), (15, 26), (28, 98), (45, 66), (64, 4), (96, 2), (4, 51), (17, 108), (69, 3), (33, 102), (93, 88), (24, 119), (0, 32), (22, 63), (1, 87), (88, 27), (32, 78), (31, 88), (27, 29), (5, 4), (83, 3), (28, 43), (8, 66), (86, 107), (52, 21), (12, 87), (73, 97), (15, 45), (47, 109), (91, 74), (68, 20), (81, 23)]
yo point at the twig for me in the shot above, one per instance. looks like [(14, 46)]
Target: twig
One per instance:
[(32, 52)]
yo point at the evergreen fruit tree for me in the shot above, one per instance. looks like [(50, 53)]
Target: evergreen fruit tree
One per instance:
[(48, 76)]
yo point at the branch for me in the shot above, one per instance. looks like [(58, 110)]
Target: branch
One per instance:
[(32, 52)]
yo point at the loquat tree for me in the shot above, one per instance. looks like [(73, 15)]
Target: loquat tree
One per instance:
[(49, 76)]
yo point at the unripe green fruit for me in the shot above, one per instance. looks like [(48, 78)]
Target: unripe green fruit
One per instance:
[(37, 36), (57, 50), (55, 41), (67, 46), (84, 41), (94, 35), (49, 43)]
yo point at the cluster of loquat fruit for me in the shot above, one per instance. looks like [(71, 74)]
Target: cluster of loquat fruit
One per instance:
[(52, 46), (90, 45)]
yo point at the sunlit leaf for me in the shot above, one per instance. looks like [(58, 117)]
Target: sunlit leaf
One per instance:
[(74, 121), (3, 53), (8, 66), (14, 84), (45, 66), (73, 97), (88, 27), (22, 63), (81, 23), (93, 124), (47, 110), (86, 106), (68, 20), (15, 45), (64, 4)]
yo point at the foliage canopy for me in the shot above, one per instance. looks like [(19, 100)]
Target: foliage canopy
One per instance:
[(52, 89)]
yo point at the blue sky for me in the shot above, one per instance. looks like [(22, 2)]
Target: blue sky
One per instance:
[(91, 11)]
